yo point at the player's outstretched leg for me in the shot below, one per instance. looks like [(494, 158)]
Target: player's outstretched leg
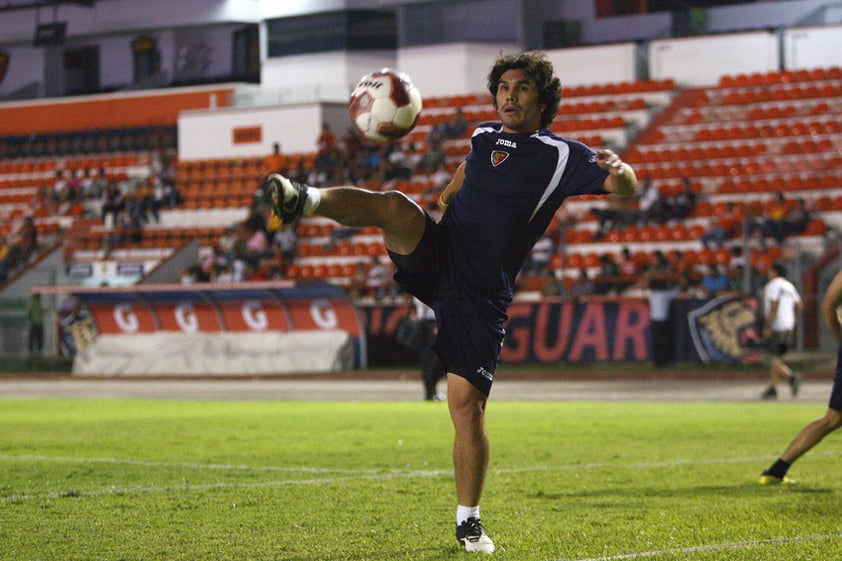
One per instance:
[(289, 198), (473, 538)]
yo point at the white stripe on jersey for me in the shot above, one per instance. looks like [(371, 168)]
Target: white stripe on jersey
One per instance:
[(561, 164)]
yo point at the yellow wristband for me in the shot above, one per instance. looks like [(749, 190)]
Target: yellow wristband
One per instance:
[(441, 201)]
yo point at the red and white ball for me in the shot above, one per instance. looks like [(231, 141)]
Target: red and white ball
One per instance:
[(385, 105)]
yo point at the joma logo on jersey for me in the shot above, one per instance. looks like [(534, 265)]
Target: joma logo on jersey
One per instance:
[(498, 157), (507, 143)]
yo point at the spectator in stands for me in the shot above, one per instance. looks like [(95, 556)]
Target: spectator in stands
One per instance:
[(286, 239), (26, 239), (326, 140), (652, 207), (327, 155), (684, 202), (147, 201), (230, 245), (432, 158), (772, 225), (112, 203), (583, 286), (87, 184), (300, 173), (551, 286), (275, 162), (401, 164), (190, 275), (629, 266), (359, 280), (797, 219), (379, 280), (684, 271), (617, 214), (726, 226), (454, 127), (256, 245), (167, 175), (714, 281), (736, 278), (609, 274), (540, 256)]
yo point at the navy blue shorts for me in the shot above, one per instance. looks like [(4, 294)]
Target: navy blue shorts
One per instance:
[(836, 392), (470, 327)]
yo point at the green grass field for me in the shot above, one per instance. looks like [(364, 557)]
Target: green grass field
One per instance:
[(187, 480)]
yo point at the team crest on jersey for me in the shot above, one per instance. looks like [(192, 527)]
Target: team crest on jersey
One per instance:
[(498, 157)]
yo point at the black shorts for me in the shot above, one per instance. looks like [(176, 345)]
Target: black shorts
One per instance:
[(470, 326), (779, 342), (835, 402)]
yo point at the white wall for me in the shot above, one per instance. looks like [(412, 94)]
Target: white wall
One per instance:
[(812, 47), (595, 65), (116, 16), (324, 76), (451, 69), (209, 134), (700, 61), (26, 65)]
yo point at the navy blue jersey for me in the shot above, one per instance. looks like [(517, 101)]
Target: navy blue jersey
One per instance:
[(514, 184)]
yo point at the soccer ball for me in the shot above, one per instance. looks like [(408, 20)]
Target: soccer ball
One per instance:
[(385, 105)]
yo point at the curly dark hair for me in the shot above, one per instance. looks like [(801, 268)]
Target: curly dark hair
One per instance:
[(537, 67)]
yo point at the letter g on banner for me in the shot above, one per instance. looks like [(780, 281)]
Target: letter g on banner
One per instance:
[(254, 315), (185, 316), (125, 318), (323, 314)]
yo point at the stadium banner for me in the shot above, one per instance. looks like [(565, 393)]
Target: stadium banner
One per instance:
[(214, 315), (598, 329)]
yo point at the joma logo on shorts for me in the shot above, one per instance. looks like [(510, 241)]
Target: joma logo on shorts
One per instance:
[(485, 373)]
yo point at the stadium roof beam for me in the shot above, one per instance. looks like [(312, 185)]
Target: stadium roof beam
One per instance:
[(35, 4)]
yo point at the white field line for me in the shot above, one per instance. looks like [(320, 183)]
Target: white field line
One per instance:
[(711, 547), (349, 474)]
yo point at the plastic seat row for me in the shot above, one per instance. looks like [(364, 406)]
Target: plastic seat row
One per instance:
[(781, 77)]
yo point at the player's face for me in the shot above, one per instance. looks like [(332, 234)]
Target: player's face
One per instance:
[(518, 102)]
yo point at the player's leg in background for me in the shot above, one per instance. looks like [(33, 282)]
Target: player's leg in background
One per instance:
[(812, 433)]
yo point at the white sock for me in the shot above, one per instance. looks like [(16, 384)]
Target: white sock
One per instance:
[(314, 197), (465, 512)]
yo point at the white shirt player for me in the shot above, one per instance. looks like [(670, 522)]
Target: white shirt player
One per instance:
[(783, 292)]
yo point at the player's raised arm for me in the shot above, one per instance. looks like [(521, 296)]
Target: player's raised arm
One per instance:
[(622, 179), (452, 187)]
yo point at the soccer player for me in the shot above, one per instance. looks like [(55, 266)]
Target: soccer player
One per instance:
[(498, 204), (814, 431), (781, 304)]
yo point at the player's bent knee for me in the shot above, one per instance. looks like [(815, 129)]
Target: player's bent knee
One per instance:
[(833, 419)]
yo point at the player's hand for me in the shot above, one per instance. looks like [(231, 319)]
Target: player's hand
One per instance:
[(621, 178), (609, 161)]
